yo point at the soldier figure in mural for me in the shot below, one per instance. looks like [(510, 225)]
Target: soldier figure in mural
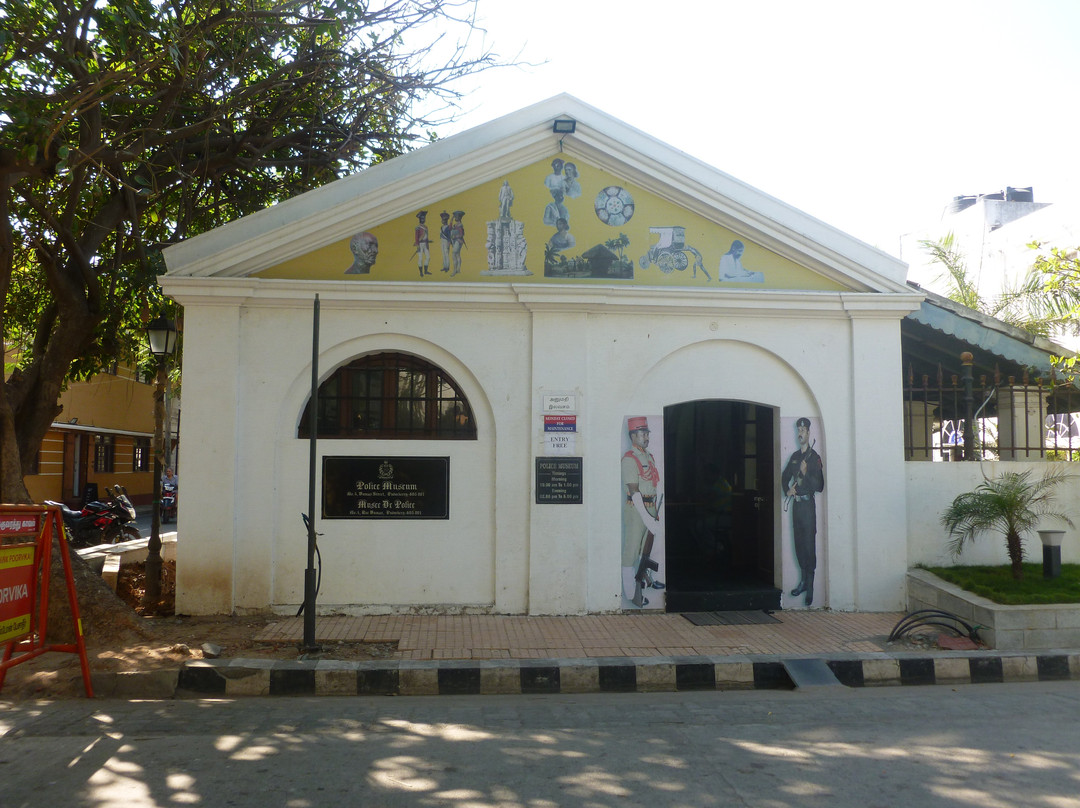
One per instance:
[(802, 479), (444, 240), (365, 249), (641, 514), (421, 242), (457, 240)]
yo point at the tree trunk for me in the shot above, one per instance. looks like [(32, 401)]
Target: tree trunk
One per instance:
[(1016, 554), (12, 486)]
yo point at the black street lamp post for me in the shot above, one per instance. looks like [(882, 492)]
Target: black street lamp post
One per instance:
[(161, 335)]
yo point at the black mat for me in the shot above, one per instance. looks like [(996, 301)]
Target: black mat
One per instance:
[(729, 618)]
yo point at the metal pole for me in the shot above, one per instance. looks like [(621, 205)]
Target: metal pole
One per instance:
[(152, 592), (313, 430), (966, 362)]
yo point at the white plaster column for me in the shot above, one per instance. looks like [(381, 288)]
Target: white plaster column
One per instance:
[(1022, 422), (207, 516), (559, 533), (880, 482)]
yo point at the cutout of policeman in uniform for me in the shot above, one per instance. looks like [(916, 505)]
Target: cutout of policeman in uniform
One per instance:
[(641, 514)]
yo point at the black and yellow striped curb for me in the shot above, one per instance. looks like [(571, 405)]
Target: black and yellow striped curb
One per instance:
[(251, 677)]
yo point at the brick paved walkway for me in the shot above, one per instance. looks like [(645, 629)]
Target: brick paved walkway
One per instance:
[(426, 637)]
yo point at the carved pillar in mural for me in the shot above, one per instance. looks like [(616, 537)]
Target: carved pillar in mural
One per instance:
[(1021, 422), (506, 248), (506, 245)]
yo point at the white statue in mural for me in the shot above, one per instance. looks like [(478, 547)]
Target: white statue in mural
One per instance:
[(506, 245)]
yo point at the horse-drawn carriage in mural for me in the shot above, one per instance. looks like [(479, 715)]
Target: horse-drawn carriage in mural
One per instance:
[(670, 252)]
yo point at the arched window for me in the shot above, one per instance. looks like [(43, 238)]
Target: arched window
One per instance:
[(392, 396)]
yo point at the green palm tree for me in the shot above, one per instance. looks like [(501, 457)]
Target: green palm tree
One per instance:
[(1011, 504)]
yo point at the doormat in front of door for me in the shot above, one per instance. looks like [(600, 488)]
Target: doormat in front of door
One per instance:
[(729, 618)]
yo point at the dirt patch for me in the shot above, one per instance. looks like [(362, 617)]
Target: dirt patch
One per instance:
[(121, 636)]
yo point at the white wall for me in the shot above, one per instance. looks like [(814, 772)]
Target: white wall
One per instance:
[(931, 487), (619, 351)]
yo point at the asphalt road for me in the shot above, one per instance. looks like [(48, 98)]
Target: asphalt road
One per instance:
[(991, 746)]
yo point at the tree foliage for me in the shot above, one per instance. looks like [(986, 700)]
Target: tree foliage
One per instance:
[(1045, 302), (132, 124)]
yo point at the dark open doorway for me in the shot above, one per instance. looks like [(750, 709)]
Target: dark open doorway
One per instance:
[(719, 484)]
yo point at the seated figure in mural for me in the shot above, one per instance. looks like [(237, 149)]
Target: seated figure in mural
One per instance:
[(641, 514), (731, 268), (365, 249)]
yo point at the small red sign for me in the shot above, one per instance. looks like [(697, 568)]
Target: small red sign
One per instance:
[(19, 524)]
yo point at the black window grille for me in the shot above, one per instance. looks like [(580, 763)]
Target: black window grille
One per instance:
[(392, 396), (140, 455), (104, 452)]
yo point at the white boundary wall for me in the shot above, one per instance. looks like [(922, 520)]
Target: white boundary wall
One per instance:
[(932, 486)]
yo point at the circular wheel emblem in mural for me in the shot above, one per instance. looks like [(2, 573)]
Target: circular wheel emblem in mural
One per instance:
[(614, 206)]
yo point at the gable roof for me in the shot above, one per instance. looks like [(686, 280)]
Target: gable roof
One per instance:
[(382, 192)]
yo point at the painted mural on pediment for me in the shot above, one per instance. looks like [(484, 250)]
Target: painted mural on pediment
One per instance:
[(555, 221)]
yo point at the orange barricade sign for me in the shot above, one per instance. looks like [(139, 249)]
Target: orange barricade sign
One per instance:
[(17, 570), (26, 551)]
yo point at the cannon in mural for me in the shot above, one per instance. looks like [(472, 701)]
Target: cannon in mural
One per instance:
[(670, 252)]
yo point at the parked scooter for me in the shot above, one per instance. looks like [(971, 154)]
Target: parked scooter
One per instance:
[(101, 521), (168, 502)]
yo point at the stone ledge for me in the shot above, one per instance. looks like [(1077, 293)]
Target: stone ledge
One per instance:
[(1006, 628)]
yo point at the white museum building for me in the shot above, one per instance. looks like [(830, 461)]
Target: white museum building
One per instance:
[(562, 368)]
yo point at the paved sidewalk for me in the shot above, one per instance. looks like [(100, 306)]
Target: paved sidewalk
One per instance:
[(433, 637), (491, 654)]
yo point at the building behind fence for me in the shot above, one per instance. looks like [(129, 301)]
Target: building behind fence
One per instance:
[(960, 417)]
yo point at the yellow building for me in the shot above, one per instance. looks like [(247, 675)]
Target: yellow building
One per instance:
[(102, 437)]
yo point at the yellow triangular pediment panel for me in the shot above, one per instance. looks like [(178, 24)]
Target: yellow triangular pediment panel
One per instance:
[(555, 221)]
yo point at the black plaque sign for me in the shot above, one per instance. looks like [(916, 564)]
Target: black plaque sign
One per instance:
[(386, 488), (558, 481)]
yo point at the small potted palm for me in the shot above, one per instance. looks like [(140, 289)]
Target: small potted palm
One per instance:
[(1012, 504)]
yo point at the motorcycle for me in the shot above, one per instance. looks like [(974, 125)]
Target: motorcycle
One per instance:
[(101, 521), (168, 502)]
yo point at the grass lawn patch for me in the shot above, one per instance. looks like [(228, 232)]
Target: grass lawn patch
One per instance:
[(998, 585)]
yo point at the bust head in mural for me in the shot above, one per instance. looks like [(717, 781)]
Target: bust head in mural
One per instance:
[(365, 249)]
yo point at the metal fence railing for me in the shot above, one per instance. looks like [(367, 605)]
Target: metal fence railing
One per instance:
[(958, 417)]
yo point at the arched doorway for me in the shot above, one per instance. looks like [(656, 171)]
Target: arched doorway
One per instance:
[(719, 482)]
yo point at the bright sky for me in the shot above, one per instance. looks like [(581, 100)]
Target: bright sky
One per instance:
[(869, 115)]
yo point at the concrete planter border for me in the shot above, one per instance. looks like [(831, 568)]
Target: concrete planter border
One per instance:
[(1008, 628)]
